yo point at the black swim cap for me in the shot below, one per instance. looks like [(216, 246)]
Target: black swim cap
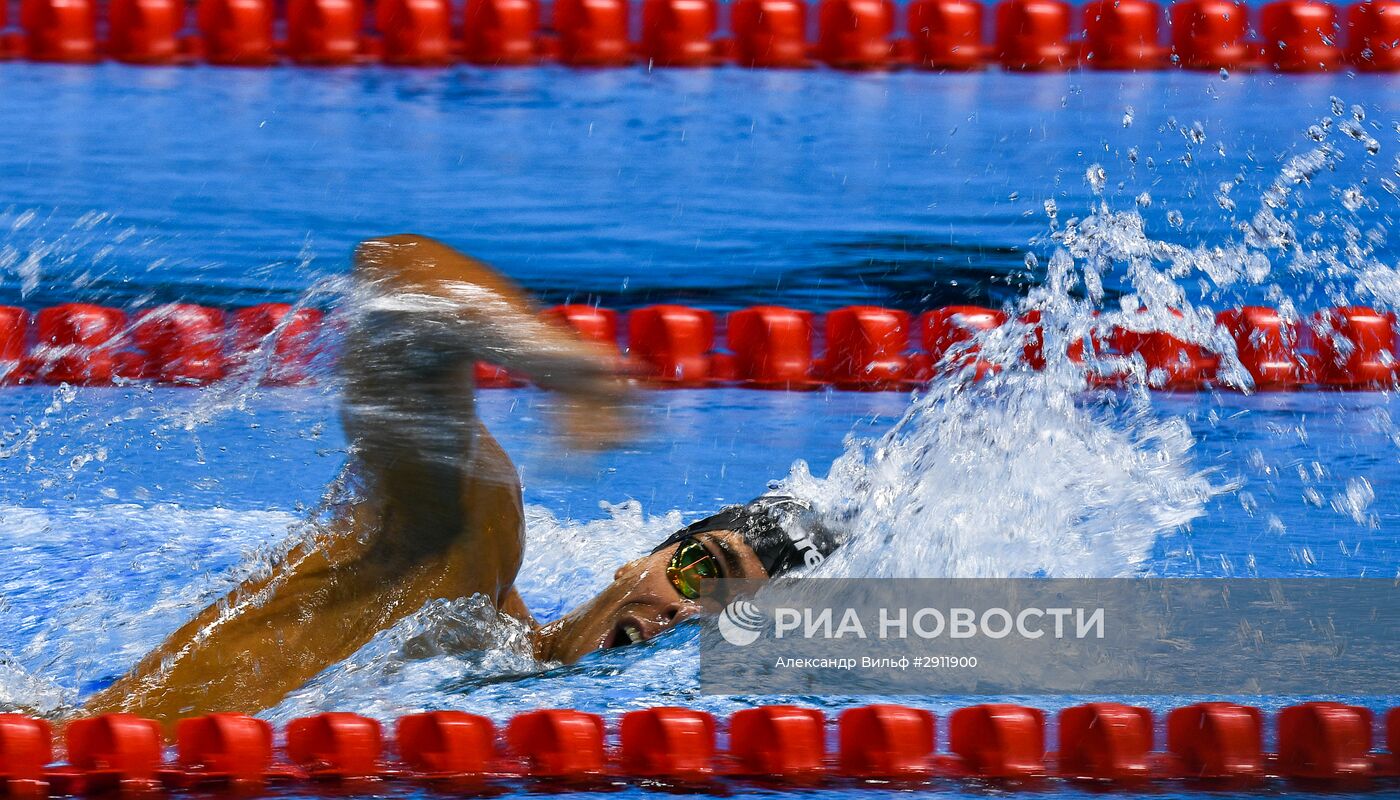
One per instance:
[(783, 531)]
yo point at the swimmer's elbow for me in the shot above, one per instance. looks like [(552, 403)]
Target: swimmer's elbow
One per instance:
[(385, 256), (372, 246), (422, 263)]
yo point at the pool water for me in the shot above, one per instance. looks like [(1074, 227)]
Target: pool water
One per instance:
[(123, 511)]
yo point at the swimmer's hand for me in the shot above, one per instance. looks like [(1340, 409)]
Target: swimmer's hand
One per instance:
[(597, 418), (447, 310)]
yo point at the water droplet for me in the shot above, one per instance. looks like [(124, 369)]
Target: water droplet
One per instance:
[(1097, 178), (1352, 198), (1128, 117), (1224, 74)]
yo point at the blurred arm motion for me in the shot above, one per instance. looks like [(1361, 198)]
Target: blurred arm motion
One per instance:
[(435, 508)]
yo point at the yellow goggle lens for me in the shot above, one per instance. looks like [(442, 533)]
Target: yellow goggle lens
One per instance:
[(690, 568)]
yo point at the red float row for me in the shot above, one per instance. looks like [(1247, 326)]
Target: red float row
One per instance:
[(769, 347), (85, 344), (1295, 35), (1103, 742)]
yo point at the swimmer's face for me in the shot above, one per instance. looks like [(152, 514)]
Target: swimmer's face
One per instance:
[(647, 596)]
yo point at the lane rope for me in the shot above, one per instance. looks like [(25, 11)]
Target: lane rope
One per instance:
[(1295, 36), (856, 348), (1211, 745)]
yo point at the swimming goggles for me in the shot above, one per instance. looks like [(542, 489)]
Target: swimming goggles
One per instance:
[(691, 567)]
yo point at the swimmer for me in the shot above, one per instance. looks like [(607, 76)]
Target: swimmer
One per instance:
[(436, 510)]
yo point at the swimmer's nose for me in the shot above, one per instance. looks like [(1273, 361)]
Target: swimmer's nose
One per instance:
[(679, 611)]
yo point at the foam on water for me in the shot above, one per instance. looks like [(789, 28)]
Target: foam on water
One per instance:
[(79, 633)]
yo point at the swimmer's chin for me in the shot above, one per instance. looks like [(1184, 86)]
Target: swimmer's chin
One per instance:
[(627, 635)]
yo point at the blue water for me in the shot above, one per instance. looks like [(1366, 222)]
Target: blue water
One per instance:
[(723, 187), (122, 511)]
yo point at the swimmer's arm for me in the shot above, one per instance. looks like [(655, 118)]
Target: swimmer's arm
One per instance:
[(440, 515), (428, 313), (424, 314), (357, 573)]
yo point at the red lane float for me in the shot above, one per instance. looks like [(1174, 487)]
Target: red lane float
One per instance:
[(947, 34), (77, 344), (887, 742), (1392, 738), (1373, 36), (593, 33), (676, 744), (62, 31), (953, 329), (1300, 36), (415, 33), (501, 32), (1217, 741), (336, 745), (772, 347), (145, 31), (679, 33), (490, 376), (769, 33), (446, 744), (778, 742), (183, 344), (1324, 741), (14, 330), (672, 343), (1355, 348), (1033, 354), (115, 751), (324, 32), (1123, 35), (855, 34), (865, 348), (590, 322), (1105, 741), (237, 33), (1033, 36), (224, 748), (1210, 34), (1171, 363), (558, 743), (998, 741), (286, 339), (1266, 345), (26, 747)]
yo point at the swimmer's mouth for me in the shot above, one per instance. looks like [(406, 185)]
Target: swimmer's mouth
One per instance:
[(627, 631)]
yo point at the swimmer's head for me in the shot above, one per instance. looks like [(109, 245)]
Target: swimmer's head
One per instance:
[(765, 538)]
